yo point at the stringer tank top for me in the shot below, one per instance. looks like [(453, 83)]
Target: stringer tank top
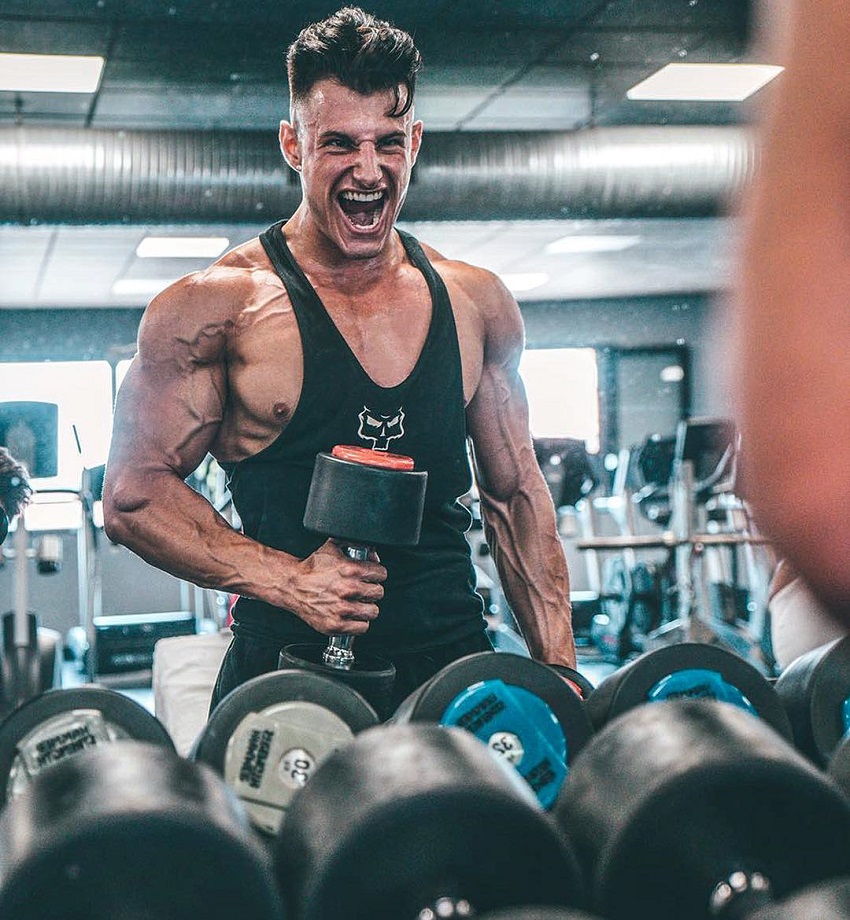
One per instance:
[(429, 597)]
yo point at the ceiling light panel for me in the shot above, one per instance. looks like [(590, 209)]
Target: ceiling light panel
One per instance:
[(50, 73), (140, 287), (182, 247), (704, 82), (524, 281), (574, 245)]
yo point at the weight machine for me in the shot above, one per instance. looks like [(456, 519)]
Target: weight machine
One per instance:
[(30, 655), (705, 522)]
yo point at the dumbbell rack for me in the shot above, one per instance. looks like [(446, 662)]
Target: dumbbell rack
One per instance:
[(692, 623)]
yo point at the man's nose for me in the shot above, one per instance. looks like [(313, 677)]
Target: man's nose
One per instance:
[(367, 167)]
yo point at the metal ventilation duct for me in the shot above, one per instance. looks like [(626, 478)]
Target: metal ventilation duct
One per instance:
[(70, 175)]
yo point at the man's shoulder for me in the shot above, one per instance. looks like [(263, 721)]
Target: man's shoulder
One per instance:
[(473, 279), (475, 289), (237, 278)]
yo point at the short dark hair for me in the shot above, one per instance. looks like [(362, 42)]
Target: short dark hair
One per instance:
[(15, 488), (360, 52)]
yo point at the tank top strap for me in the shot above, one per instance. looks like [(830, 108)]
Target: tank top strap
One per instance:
[(314, 324), (441, 303)]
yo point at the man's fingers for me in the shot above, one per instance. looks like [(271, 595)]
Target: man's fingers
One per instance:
[(361, 611), (366, 591), (348, 627), (375, 574)]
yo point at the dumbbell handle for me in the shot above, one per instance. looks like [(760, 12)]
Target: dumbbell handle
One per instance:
[(338, 654)]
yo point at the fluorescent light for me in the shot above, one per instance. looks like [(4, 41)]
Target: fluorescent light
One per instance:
[(673, 373), (50, 73), (182, 247), (524, 281), (579, 244), (140, 287), (705, 82)]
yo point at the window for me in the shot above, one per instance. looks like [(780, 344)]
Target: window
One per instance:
[(121, 369), (83, 392), (563, 393)]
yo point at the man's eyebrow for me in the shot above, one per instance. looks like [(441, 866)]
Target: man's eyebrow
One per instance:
[(327, 135)]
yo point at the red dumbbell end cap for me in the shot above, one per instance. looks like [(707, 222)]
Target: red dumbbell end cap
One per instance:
[(369, 457)]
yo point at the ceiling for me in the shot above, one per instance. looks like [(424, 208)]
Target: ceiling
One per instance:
[(490, 66)]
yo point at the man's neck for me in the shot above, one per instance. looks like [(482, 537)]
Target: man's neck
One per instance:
[(323, 262)]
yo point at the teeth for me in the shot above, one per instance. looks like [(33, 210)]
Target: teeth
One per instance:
[(362, 196)]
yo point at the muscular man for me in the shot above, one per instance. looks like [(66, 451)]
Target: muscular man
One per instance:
[(336, 328), (792, 299), (15, 490)]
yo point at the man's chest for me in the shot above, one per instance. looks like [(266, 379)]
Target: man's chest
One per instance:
[(385, 336)]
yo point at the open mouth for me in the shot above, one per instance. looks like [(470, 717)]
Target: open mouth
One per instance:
[(363, 209)]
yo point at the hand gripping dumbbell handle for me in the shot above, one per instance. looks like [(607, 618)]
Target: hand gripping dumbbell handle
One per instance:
[(363, 498), (338, 654)]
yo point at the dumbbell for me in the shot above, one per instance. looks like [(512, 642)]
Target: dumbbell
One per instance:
[(267, 737), (838, 765), (690, 810), (689, 670), (419, 821), (361, 498), (523, 710), (60, 724), (575, 679), (815, 691), (828, 900), (132, 831)]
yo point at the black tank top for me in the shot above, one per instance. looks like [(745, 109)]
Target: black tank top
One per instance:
[(429, 597)]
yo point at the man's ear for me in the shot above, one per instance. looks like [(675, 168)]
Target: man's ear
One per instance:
[(289, 147), (415, 139)]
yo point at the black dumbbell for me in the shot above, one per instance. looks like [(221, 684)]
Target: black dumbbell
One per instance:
[(693, 810), (361, 498), (130, 831), (828, 900), (268, 735), (523, 710), (689, 670), (838, 765), (60, 724), (418, 820), (577, 681), (815, 691)]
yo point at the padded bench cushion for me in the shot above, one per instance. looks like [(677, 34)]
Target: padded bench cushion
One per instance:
[(184, 674)]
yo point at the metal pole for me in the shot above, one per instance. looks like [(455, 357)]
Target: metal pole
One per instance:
[(21, 621)]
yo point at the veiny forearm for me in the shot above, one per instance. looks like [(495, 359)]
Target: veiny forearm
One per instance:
[(172, 527), (523, 539)]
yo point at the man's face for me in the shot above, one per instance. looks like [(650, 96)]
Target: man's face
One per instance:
[(355, 163)]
